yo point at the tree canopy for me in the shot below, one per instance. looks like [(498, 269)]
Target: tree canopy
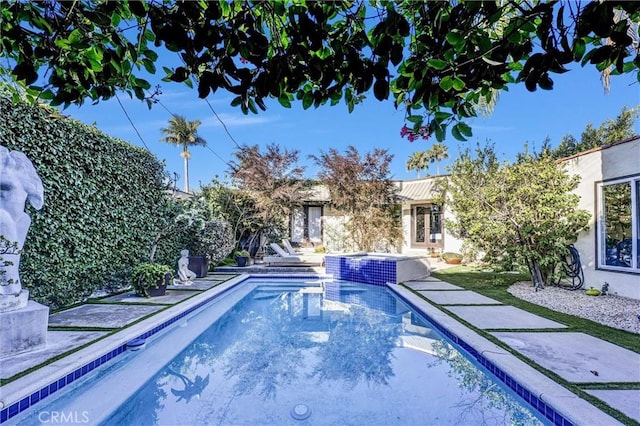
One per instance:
[(436, 60), (516, 214)]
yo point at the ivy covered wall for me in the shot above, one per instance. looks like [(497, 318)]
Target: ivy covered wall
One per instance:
[(100, 213)]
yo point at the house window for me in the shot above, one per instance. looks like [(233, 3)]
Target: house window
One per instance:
[(619, 225), (426, 226), (306, 224)]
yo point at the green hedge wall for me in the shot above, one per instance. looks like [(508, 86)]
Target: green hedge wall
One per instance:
[(99, 215)]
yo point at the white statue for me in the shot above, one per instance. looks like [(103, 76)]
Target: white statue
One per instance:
[(185, 275), (19, 182)]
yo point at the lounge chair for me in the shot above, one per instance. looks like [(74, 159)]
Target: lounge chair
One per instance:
[(289, 248), (284, 258)]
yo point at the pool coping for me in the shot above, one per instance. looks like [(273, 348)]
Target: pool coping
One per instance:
[(551, 399), (540, 391)]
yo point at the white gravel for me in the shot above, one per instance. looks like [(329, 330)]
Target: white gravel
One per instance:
[(614, 311)]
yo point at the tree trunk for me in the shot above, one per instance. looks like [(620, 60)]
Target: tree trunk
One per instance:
[(185, 155), (186, 174), (536, 275), (154, 247)]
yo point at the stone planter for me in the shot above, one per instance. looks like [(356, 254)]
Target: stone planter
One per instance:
[(242, 261), (453, 260), (199, 265), (161, 289)]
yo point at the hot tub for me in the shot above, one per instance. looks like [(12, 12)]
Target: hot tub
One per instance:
[(376, 268)]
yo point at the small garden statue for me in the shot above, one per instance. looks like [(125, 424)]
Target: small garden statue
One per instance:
[(19, 183), (185, 275)]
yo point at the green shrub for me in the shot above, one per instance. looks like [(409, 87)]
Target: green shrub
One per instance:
[(215, 241)]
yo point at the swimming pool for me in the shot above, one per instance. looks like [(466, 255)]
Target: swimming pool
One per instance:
[(291, 352)]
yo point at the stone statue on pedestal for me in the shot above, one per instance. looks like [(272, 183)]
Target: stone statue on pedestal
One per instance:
[(19, 183), (185, 275), (23, 322)]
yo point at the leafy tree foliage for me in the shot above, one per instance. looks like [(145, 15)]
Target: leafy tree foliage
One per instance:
[(437, 153), (418, 161), (360, 188), (233, 205), (184, 134), (273, 181), (609, 132), (437, 60), (517, 214)]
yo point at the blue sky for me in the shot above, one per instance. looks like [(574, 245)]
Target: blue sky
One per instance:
[(578, 98)]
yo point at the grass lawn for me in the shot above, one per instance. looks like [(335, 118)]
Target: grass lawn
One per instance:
[(495, 285)]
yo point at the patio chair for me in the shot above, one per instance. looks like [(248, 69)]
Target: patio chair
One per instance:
[(284, 258), (288, 247)]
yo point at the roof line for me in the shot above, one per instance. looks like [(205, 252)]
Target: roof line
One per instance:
[(598, 148)]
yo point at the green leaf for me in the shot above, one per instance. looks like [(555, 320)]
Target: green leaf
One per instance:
[(284, 101), (455, 131), (236, 101), (381, 89), (437, 64), (579, 48), (455, 39), (307, 100), (446, 83), (464, 129), (441, 115), (415, 119), (458, 84)]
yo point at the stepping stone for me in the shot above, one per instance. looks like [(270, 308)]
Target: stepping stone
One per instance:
[(576, 357), (58, 342), (431, 285), (101, 315), (171, 297), (626, 401), (506, 317), (464, 297)]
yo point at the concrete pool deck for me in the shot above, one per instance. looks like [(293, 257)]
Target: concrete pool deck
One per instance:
[(572, 356), (576, 357)]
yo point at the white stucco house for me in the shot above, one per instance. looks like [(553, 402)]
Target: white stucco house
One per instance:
[(315, 223), (609, 189)]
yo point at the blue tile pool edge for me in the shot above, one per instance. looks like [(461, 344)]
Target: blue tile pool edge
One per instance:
[(47, 390), (543, 408), (30, 400)]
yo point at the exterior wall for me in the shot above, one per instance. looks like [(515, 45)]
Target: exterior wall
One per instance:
[(451, 243), (593, 167)]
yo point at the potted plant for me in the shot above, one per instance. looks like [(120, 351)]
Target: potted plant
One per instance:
[(435, 253), (151, 279), (242, 257), (452, 258)]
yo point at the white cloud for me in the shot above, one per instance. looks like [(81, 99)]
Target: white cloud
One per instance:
[(237, 120)]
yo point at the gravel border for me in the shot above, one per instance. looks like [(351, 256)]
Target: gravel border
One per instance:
[(615, 311)]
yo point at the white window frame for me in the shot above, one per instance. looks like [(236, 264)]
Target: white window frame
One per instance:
[(601, 249)]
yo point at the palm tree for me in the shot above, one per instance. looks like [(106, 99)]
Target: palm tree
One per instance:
[(437, 152), (418, 161), (185, 134)]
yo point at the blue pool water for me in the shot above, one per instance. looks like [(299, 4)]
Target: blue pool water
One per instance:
[(292, 352)]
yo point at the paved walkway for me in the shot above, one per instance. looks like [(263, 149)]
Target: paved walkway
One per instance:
[(579, 358)]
